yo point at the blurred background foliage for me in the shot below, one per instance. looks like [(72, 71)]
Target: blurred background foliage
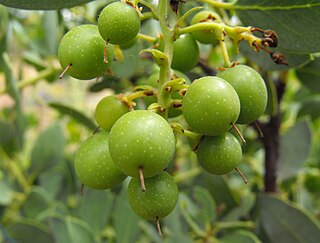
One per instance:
[(43, 120)]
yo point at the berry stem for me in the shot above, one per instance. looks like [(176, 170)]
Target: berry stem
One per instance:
[(239, 133), (65, 70), (143, 186), (218, 4), (225, 54), (105, 53), (258, 129), (242, 175), (147, 38), (159, 227)]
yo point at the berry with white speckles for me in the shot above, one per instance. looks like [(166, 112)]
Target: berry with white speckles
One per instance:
[(251, 90), (93, 164), (82, 48), (141, 138), (158, 201), (109, 110), (219, 154), (210, 105), (119, 23)]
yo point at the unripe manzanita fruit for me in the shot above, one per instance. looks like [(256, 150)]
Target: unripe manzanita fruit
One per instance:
[(158, 201), (251, 90), (119, 23), (93, 164), (82, 48), (219, 154), (210, 106), (144, 139)]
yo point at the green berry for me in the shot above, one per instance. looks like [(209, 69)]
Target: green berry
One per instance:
[(141, 139), (119, 23), (158, 200), (206, 36), (109, 110), (93, 164), (210, 106), (251, 90), (185, 53), (82, 48), (220, 154)]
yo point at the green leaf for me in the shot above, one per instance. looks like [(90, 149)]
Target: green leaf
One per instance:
[(8, 140), (150, 231), (309, 75), (48, 150), (243, 210), (77, 115), (29, 230), (50, 25), (283, 222), (43, 4), (71, 230), (310, 106), (294, 149), (219, 189), (12, 88), (52, 180), (125, 220), (95, 208), (206, 205), (4, 235), (37, 201), (265, 62), (6, 194), (240, 236), (293, 20)]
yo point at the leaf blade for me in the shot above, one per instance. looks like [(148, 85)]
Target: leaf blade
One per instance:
[(43, 5)]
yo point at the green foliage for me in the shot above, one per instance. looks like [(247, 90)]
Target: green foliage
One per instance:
[(43, 120), (43, 5), (284, 222), (295, 147), (281, 17)]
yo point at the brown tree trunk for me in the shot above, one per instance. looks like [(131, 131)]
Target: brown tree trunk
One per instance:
[(271, 140)]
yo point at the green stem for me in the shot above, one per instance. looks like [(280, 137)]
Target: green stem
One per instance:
[(230, 225), (16, 172), (225, 54), (218, 4), (153, 13), (187, 175), (164, 98), (237, 33), (31, 81), (147, 38), (196, 229)]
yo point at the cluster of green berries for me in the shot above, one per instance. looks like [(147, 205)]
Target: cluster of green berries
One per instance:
[(141, 143)]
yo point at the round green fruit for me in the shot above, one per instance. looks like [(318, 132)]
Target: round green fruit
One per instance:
[(220, 154), (185, 53), (206, 36), (144, 139), (210, 106), (93, 164), (119, 23), (82, 50), (158, 200), (251, 90), (109, 110)]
